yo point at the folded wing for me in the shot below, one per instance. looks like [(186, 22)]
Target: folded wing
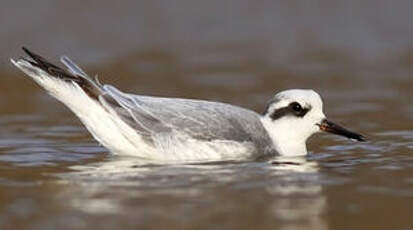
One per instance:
[(201, 120)]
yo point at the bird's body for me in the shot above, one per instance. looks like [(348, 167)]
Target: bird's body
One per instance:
[(185, 129), (174, 129)]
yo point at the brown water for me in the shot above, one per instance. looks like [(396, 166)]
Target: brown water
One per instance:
[(356, 54)]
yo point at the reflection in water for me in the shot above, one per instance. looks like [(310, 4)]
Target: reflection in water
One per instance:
[(96, 206), (294, 164), (301, 203), (291, 187)]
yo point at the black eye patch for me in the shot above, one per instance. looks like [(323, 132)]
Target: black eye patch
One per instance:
[(297, 110), (294, 108)]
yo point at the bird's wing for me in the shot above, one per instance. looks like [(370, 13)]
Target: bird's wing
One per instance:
[(202, 120), (72, 67)]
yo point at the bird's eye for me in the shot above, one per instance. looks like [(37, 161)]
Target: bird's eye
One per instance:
[(296, 107)]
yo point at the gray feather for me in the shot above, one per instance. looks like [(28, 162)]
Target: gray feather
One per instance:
[(203, 120), (73, 68)]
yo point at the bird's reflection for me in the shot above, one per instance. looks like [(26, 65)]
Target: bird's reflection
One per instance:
[(291, 185), (300, 201)]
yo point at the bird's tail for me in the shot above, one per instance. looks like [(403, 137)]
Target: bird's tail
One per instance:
[(86, 98), (52, 77)]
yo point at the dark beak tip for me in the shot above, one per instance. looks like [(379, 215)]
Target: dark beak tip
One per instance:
[(331, 127)]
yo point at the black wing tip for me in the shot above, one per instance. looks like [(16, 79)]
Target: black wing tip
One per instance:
[(42, 63), (32, 59), (30, 53), (35, 59), (26, 50), (87, 85)]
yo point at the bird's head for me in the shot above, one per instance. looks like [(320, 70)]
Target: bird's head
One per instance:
[(292, 116)]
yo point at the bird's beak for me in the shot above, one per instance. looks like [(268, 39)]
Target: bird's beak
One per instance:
[(330, 127)]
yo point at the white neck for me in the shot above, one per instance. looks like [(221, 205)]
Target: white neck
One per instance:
[(287, 141)]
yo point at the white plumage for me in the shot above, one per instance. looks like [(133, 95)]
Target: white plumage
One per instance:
[(173, 129)]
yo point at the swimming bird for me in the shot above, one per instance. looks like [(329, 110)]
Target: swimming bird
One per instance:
[(176, 129)]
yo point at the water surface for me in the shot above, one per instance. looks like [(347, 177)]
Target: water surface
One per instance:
[(53, 175)]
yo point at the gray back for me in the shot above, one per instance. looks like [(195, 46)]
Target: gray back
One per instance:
[(203, 120)]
